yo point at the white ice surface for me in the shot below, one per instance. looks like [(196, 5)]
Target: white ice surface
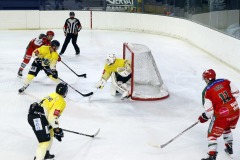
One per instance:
[(127, 127)]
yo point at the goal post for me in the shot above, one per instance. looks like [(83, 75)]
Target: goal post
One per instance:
[(146, 83)]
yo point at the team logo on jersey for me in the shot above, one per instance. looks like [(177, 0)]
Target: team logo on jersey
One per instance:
[(33, 69), (217, 131), (37, 124), (223, 111), (56, 112)]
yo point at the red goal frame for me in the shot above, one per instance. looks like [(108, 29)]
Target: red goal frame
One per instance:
[(125, 46)]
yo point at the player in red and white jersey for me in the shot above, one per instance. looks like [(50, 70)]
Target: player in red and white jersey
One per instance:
[(35, 43), (219, 101)]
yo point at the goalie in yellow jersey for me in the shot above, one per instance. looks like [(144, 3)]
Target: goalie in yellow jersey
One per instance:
[(43, 118), (120, 72), (46, 58)]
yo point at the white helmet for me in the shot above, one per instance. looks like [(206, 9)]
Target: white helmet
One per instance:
[(111, 58)]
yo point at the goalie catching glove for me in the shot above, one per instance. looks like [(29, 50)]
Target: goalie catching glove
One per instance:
[(100, 84)]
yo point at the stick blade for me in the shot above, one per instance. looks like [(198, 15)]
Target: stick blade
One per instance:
[(154, 145), (88, 94), (82, 75), (96, 133)]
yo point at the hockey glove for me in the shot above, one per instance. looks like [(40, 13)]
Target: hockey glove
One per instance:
[(58, 134), (59, 58), (100, 84), (55, 74), (203, 118), (48, 70)]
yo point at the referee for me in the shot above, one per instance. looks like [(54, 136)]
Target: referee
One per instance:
[(71, 28)]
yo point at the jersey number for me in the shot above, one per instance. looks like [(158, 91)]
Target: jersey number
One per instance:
[(224, 96)]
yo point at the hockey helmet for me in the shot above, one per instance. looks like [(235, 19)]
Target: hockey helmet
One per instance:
[(41, 36), (209, 74), (50, 33), (55, 43), (110, 58), (62, 89), (71, 14)]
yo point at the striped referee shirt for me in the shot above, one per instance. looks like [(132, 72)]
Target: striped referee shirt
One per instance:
[(72, 25)]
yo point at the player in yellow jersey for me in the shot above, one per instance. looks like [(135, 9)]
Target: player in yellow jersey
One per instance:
[(120, 72), (43, 118), (46, 58)]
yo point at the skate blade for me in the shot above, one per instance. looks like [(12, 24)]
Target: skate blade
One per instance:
[(229, 155)]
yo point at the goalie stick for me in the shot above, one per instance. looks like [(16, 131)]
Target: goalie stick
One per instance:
[(84, 95), (83, 134), (164, 145), (79, 75)]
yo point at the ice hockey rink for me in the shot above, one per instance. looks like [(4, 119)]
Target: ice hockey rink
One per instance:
[(128, 128)]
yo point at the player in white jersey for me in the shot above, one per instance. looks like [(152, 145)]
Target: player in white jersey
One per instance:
[(35, 43)]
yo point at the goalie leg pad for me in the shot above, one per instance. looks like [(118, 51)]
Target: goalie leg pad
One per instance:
[(120, 86), (113, 90), (115, 83)]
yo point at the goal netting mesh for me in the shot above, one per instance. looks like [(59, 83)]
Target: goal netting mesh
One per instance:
[(146, 82)]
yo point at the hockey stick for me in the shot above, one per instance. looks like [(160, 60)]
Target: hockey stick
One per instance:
[(84, 95), (93, 135), (164, 145), (79, 75)]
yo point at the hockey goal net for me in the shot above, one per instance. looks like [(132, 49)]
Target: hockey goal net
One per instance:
[(146, 82)]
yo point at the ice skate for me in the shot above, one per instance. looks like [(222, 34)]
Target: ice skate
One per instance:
[(210, 157), (49, 156), (125, 95), (229, 150), (20, 73), (23, 88)]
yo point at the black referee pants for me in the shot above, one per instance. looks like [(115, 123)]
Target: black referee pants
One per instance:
[(70, 36)]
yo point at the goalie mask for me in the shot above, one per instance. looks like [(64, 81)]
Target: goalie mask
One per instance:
[(110, 59)]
